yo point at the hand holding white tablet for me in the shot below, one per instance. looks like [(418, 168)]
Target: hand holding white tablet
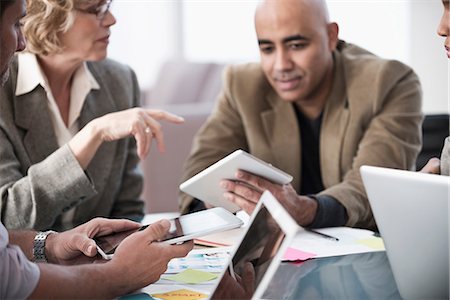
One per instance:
[(206, 184), (184, 228)]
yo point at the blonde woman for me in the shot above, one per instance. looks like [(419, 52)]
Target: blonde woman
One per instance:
[(67, 122)]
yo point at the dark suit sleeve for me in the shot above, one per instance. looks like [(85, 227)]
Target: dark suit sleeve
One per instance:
[(330, 213)]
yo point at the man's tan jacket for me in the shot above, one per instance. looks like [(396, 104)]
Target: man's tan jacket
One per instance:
[(372, 117)]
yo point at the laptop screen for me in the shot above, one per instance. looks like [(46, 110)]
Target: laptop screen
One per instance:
[(252, 258)]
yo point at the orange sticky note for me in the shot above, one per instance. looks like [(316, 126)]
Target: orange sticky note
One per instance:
[(181, 295)]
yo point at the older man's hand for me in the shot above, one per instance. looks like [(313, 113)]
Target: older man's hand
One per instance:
[(248, 188)]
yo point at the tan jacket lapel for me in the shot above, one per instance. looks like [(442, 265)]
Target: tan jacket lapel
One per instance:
[(334, 126), (281, 128)]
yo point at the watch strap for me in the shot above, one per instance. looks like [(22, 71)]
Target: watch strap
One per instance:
[(39, 246)]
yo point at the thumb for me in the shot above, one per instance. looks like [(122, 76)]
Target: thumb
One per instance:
[(158, 230), (86, 245)]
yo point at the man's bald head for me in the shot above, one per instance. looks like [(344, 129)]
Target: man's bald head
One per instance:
[(316, 8), (296, 42)]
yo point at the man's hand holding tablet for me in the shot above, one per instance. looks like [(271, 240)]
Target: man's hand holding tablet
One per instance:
[(183, 228), (207, 187)]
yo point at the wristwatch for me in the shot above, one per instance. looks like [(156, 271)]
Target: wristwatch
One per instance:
[(39, 246)]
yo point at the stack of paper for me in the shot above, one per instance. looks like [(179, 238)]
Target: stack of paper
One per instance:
[(225, 238), (349, 241)]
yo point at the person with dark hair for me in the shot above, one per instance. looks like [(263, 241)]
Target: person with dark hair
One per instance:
[(138, 261), (6, 53), (434, 165)]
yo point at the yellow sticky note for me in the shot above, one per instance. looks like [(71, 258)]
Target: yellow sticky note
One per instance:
[(373, 242), (191, 276), (180, 295)]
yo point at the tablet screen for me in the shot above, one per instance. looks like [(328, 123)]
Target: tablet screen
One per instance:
[(191, 224), (252, 259), (183, 228)]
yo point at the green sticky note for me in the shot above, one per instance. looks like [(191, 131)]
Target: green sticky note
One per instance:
[(373, 242), (190, 276)]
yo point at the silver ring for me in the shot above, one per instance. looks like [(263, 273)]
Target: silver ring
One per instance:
[(148, 130)]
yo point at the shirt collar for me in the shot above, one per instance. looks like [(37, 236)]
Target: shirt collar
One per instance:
[(30, 75)]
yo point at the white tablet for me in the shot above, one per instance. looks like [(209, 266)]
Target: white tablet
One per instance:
[(184, 228), (270, 232), (190, 226), (205, 185)]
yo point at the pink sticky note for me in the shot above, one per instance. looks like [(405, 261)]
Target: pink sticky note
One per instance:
[(295, 254)]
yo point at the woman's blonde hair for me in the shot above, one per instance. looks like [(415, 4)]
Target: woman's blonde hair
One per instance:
[(45, 21)]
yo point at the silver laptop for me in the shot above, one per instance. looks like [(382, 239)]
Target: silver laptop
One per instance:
[(254, 262), (411, 210)]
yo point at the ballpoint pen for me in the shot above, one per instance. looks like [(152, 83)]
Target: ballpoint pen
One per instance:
[(329, 237)]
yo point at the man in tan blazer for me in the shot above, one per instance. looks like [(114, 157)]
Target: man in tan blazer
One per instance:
[(315, 107)]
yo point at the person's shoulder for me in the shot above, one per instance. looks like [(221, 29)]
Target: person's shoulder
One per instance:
[(250, 71), (370, 78), (9, 86), (109, 67), (247, 77), (359, 62)]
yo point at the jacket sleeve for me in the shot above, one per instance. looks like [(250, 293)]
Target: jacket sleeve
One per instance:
[(50, 187), (392, 139), (128, 203), (222, 133)]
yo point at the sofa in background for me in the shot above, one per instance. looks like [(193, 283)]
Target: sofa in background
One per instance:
[(189, 90)]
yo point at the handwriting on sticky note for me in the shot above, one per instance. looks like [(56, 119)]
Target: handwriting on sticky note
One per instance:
[(181, 295), (191, 276), (293, 254), (373, 242)]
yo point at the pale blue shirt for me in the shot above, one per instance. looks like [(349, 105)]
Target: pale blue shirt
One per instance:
[(18, 275)]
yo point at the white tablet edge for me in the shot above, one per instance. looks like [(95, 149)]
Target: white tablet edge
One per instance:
[(187, 185), (232, 222), (289, 227)]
